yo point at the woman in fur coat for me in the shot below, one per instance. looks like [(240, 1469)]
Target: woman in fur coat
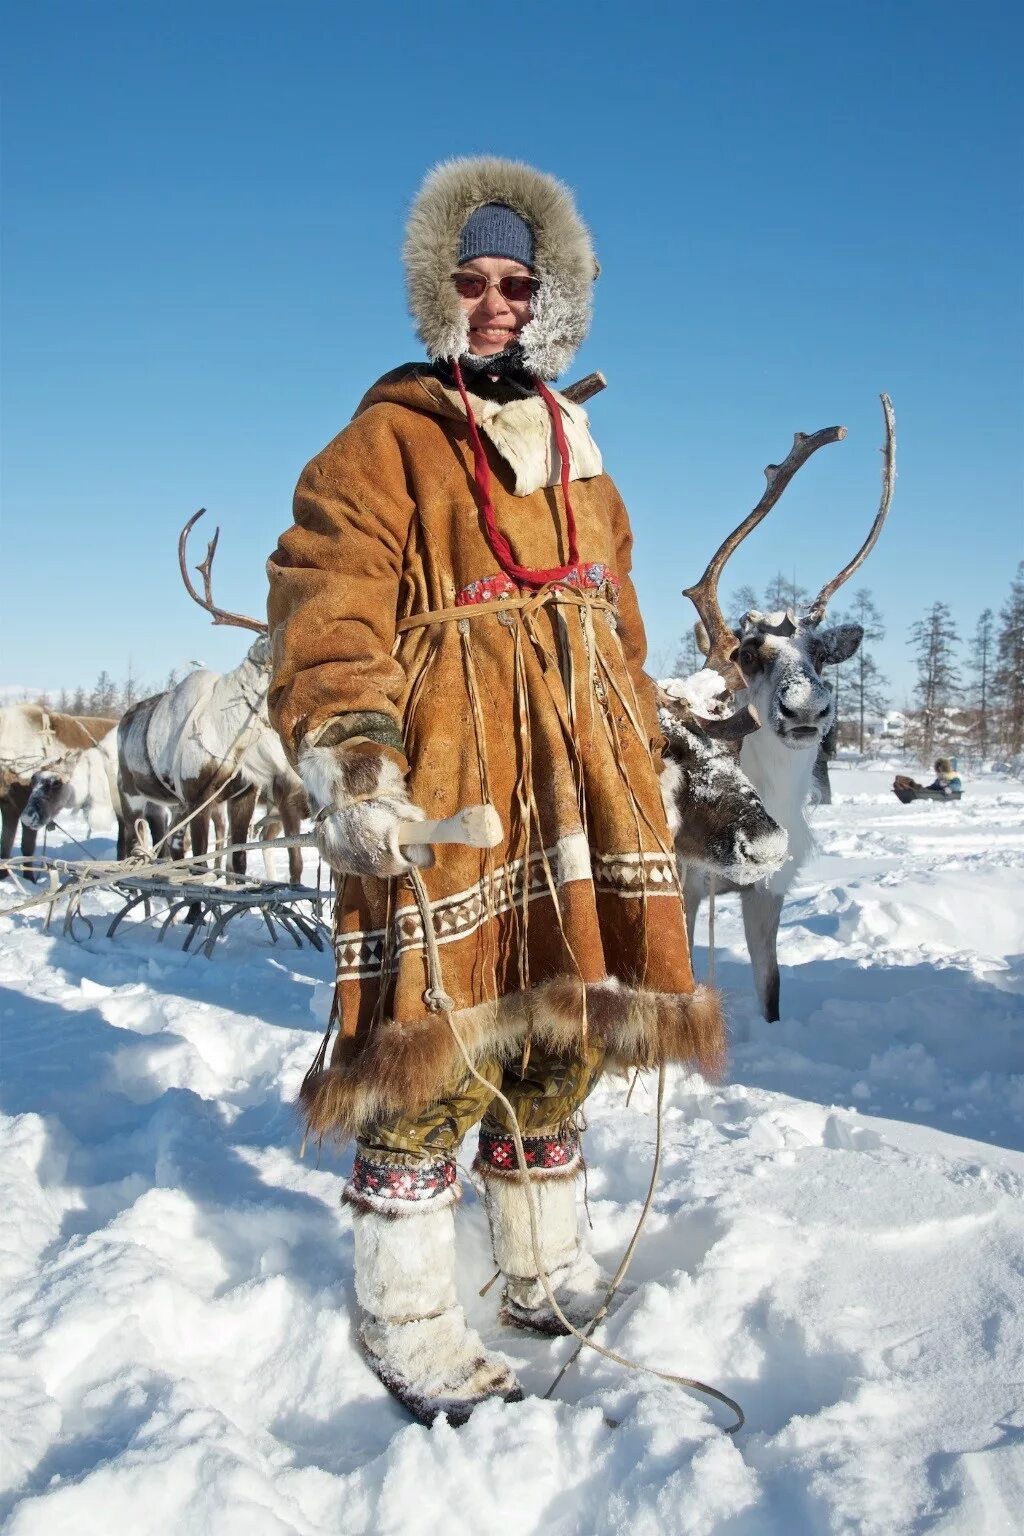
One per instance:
[(453, 623)]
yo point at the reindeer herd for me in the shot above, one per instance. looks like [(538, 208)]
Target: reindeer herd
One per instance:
[(741, 760)]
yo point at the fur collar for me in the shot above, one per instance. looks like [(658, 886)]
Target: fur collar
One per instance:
[(564, 258), (521, 432)]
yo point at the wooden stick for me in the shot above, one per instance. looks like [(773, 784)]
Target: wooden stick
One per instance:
[(583, 389), (477, 826)]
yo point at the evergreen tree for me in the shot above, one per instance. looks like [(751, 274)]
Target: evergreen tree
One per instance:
[(78, 701), (1009, 672), (981, 663), (938, 681), (868, 681), (130, 690), (62, 701), (103, 696)]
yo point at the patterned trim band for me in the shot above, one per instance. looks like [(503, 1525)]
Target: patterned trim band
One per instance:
[(388, 1184), (556, 1153), (584, 576), (371, 952)]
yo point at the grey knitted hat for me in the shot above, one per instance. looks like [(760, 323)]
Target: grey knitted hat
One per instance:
[(495, 229)]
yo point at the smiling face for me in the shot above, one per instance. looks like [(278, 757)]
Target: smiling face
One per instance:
[(494, 321)]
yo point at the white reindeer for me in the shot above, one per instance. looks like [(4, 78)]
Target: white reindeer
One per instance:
[(205, 743), (209, 740), (773, 664)]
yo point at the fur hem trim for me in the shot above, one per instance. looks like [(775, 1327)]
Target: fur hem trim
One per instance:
[(400, 1068), (564, 258)]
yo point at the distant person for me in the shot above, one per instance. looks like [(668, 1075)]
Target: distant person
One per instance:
[(947, 780), (945, 786)]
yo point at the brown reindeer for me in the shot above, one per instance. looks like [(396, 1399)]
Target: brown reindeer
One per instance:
[(30, 738)]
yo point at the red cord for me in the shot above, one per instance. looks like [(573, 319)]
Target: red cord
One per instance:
[(482, 475)]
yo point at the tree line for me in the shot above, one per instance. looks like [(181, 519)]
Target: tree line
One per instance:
[(106, 697)]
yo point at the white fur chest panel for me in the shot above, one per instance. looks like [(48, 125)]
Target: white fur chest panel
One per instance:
[(522, 434), (782, 777)]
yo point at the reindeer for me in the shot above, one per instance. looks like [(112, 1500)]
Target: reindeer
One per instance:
[(31, 737), (773, 665), (209, 741), (86, 780)]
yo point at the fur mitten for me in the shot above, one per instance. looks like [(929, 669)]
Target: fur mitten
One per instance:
[(359, 801)]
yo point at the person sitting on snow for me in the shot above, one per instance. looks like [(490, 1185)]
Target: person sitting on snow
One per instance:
[(453, 622), (947, 780)]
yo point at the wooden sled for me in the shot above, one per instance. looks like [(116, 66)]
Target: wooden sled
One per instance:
[(278, 904), (906, 790)]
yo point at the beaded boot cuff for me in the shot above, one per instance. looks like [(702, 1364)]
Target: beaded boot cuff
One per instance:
[(401, 1189), (556, 1155)]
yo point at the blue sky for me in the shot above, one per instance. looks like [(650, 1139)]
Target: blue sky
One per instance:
[(795, 207)]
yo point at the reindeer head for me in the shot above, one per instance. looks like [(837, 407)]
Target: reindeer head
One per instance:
[(715, 814), (50, 792), (778, 658)]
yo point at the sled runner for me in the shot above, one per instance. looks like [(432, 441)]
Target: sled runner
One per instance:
[(298, 910)]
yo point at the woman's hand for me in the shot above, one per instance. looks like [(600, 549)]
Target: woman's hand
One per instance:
[(359, 802)]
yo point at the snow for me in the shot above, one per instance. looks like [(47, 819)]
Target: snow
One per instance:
[(837, 1239)]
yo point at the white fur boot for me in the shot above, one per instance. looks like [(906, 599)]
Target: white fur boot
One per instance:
[(414, 1333), (575, 1278)]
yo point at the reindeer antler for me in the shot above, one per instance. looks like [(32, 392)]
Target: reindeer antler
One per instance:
[(816, 612), (704, 594), (220, 615)]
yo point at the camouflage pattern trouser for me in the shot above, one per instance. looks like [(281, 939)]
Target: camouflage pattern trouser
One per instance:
[(410, 1158)]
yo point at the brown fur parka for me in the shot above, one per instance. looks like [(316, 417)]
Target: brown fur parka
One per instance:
[(573, 928)]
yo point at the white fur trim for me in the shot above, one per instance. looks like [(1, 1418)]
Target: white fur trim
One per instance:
[(670, 779), (563, 257), (509, 1214), (413, 1329)]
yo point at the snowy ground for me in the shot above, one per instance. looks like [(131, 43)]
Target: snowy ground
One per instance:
[(838, 1239)]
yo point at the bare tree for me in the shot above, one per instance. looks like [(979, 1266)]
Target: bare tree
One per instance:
[(784, 592), (743, 600), (1009, 672), (938, 680)]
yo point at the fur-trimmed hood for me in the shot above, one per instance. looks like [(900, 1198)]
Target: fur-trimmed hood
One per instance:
[(564, 258)]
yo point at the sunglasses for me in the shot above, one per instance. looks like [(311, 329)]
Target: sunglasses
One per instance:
[(471, 285)]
